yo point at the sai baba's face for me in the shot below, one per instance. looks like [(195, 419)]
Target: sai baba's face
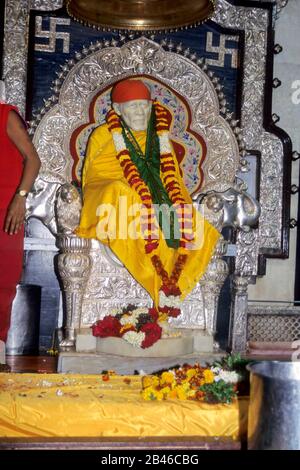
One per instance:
[(136, 113)]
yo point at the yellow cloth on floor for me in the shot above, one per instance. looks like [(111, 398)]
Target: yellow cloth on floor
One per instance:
[(104, 183), (57, 405)]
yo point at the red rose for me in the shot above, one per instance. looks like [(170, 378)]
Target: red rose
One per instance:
[(108, 326), (154, 313), (174, 312), (152, 334), (164, 309), (170, 311)]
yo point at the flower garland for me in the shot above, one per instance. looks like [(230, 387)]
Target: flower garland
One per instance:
[(138, 326), (169, 291)]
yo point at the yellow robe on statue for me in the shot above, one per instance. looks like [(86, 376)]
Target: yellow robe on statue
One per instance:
[(103, 182)]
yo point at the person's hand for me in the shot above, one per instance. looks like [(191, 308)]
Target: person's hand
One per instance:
[(15, 215)]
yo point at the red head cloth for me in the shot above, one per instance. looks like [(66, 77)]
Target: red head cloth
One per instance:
[(128, 90)]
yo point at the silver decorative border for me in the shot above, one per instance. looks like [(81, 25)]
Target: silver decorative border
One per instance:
[(255, 24), (15, 52), (46, 5), (280, 4)]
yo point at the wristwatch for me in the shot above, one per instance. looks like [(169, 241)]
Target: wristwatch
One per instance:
[(22, 192)]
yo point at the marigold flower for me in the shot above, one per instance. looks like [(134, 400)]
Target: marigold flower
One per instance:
[(165, 391), (167, 378), (181, 392), (209, 376), (191, 373), (127, 327), (150, 381), (149, 393), (163, 317)]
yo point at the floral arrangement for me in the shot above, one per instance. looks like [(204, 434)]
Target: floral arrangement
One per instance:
[(211, 384), (139, 326)]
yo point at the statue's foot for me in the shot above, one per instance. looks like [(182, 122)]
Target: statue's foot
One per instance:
[(168, 331), (67, 345)]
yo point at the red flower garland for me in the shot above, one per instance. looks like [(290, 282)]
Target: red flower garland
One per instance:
[(147, 324)]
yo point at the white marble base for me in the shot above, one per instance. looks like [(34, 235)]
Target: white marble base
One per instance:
[(167, 347), (92, 363), (85, 341), (190, 341)]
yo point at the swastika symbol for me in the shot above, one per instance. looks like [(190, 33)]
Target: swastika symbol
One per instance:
[(52, 34), (221, 50)]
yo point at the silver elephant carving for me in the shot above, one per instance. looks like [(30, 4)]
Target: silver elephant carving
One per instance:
[(239, 209)]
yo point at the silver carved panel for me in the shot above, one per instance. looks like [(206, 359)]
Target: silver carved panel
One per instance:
[(247, 253), (46, 5), (110, 286), (271, 190), (255, 24), (15, 51)]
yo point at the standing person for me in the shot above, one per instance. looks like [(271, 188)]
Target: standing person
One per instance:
[(19, 166)]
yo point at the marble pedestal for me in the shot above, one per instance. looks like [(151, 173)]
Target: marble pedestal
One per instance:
[(189, 341), (95, 363), (93, 355)]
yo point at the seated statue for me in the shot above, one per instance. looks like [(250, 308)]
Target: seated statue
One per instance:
[(135, 201)]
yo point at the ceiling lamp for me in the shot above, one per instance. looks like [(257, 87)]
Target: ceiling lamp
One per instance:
[(141, 15)]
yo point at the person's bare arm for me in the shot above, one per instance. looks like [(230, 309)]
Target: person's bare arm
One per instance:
[(19, 136)]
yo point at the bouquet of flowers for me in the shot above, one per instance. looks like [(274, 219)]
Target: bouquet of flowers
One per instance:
[(139, 326), (210, 384)]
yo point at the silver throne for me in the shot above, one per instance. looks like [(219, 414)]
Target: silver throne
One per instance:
[(93, 279)]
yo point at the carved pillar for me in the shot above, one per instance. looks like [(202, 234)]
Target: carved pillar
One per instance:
[(74, 266), (238, 315), (211, 285), (15, 50)]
